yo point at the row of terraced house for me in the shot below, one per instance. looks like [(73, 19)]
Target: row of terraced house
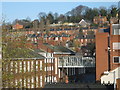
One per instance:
[(49, 49)]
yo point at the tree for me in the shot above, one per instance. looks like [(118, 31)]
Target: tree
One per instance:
[(41, 15), (35, 24), (13, 46), (15, 21), (28, 19), (96, 11), (47, 26), (114, 11), (103, 11), (119, 13), (62, 18), (56, 15), (89, 14), (42, 24), (50, 18)]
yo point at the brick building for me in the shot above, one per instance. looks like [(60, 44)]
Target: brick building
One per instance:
[(24, 72), (100, 19), (17, 26), (107, 50)]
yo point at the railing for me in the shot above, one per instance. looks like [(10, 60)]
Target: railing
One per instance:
[(74, 61)]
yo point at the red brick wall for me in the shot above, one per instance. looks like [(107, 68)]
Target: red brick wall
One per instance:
[(101, 54), (114, 38)]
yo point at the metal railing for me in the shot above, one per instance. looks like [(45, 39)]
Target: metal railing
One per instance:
[(74, 61)]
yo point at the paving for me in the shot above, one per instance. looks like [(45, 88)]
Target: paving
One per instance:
[(78, 86)]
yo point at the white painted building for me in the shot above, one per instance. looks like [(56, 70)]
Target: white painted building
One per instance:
[(111, 76)]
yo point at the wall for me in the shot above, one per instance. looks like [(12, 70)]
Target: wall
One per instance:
[(27, 73), (101, 54)]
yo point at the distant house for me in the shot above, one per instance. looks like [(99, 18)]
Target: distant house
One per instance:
[(100, 19), (113, 20), (83, 23), (17, 26)]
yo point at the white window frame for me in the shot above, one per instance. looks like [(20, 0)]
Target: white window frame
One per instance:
[(37, 63), (24, 63), (16, 67), (117, 44), (37, 81), (28, 82), (20, 66), (28, 66), (116, 33), (32, 66), (40, 65), (24, 82), (40, 81), (11, 66)]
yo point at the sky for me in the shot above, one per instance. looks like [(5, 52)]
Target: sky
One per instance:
[(22, 10)]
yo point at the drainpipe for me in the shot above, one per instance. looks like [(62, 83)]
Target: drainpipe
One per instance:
[(108, 53)]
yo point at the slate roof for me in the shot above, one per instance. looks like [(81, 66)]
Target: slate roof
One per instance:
[(87, 37), (106, 30), (29, 54), (38, 50), (33, 35), (59, 48)]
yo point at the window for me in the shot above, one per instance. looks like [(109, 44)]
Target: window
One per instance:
[(24, 66), (28, 84), (116, 32), (16, 67), (116, 45), (32, 66), (81, 40), (20, 66), (20, 82), (116, 59), (11, 66), (37, 65), (28, 66), (56, 39), (36, 81), (49, 68), (32, 81), (16, 82), (40, 81), (49, 60), (24, 82), (40, 65)]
